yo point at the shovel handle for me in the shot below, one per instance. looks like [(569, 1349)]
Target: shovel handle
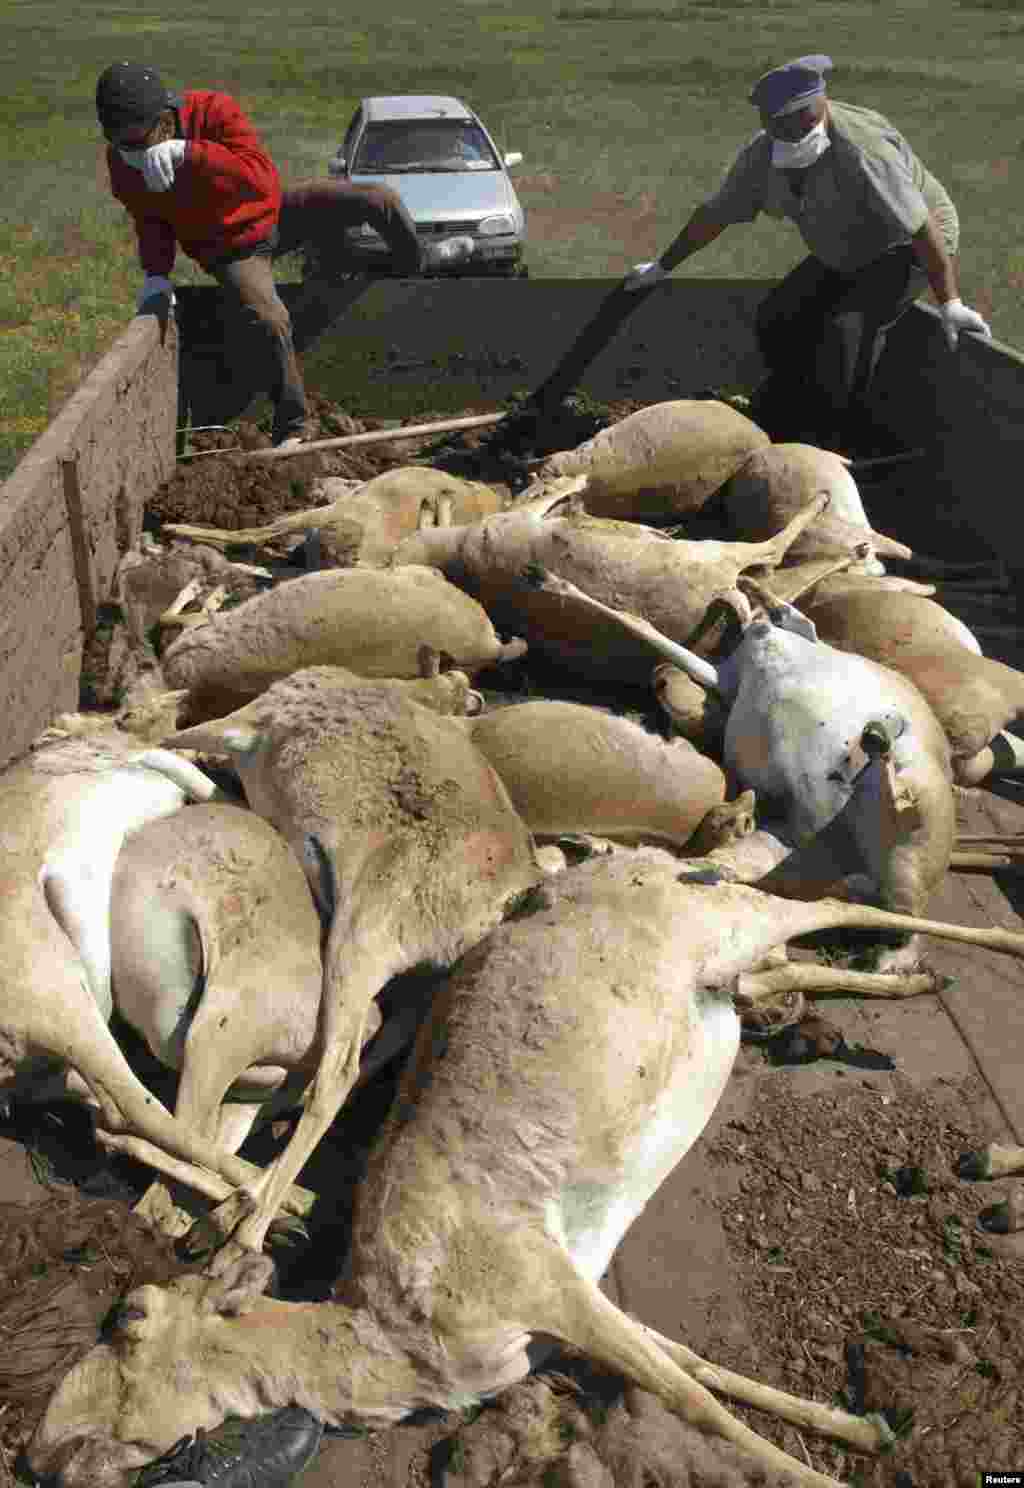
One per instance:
[(613, 312)]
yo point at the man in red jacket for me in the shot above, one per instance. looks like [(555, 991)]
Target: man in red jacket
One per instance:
[(192, 171)]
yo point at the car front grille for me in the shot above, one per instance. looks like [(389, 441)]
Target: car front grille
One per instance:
[(445, 229)]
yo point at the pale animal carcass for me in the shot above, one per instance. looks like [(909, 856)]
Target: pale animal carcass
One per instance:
[(373, 622), (66, 811), (410, 843), (568, 1064), (216, 963), (571, 768), (974, 697), (668, 583), (777, 481), (662, 462), (849, 764), (366, 524)]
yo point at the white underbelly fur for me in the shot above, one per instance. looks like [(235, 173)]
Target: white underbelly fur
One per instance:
[(589, 1221)]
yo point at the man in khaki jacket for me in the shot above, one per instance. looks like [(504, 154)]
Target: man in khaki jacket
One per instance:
[(879, 227)]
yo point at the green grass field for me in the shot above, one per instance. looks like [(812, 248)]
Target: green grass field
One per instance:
[(626, 114)]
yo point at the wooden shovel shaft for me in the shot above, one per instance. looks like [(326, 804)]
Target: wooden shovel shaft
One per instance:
[(371, 436), (613, 312), (986, 862)]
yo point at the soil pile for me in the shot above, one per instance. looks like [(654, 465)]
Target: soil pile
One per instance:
[(225, 491), (866, 1281)]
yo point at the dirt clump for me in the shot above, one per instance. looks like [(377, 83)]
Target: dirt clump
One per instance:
[(226, 491)]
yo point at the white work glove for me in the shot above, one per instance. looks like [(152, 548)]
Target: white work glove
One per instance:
[(160, 162), (644, 276), (153, 285), (957, 317)]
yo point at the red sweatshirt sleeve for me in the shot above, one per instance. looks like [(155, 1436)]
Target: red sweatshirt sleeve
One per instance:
[(230, 152), (156, 237), (157, 245)]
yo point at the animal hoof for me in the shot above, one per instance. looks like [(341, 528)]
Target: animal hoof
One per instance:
[(973, 1166), (287, 1232), (764, 1019), (876, 739), (1006, 1217), (212, 1231)]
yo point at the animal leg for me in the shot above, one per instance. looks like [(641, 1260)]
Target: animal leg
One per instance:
[(357, 969), (229, 1128), (772, 552), (778, 993), (701, 671), (587, 1320), (993, 1161), (298, 1201), (863, 1433)]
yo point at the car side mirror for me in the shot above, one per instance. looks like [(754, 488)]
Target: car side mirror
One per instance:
[(514, 157), (337, 166)]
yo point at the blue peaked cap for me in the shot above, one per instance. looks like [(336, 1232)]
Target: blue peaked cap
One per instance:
[(791, 85)]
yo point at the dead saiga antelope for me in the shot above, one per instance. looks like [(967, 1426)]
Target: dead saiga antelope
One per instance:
[(216, 962), (669, 583), (410, 843), (66, 810), (568, 1063), (848, 762)]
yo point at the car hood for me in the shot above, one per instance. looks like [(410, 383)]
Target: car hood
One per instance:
[(456, 194)]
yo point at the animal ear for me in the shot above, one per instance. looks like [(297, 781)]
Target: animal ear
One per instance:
[(221, 736), (239, 1286)]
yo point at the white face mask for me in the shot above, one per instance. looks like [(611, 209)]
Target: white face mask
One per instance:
[(132, 157), (799, 154)]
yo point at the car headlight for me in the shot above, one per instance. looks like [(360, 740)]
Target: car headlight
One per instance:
[(490, 227)]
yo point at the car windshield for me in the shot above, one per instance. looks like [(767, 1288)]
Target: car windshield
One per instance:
[(401, 146)]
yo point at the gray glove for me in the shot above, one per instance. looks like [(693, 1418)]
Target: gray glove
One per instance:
[(153, 285)]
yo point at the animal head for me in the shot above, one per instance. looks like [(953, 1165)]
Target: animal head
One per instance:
[(202, 1349), (134, 1396)]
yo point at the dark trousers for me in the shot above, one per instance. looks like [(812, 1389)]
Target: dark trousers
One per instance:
[(314, 214), (821, 334), (249, 284)]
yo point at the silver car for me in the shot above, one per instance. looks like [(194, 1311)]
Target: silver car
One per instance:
[(445, 166)]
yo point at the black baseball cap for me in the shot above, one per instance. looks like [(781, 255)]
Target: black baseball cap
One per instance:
[(130, 96)]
